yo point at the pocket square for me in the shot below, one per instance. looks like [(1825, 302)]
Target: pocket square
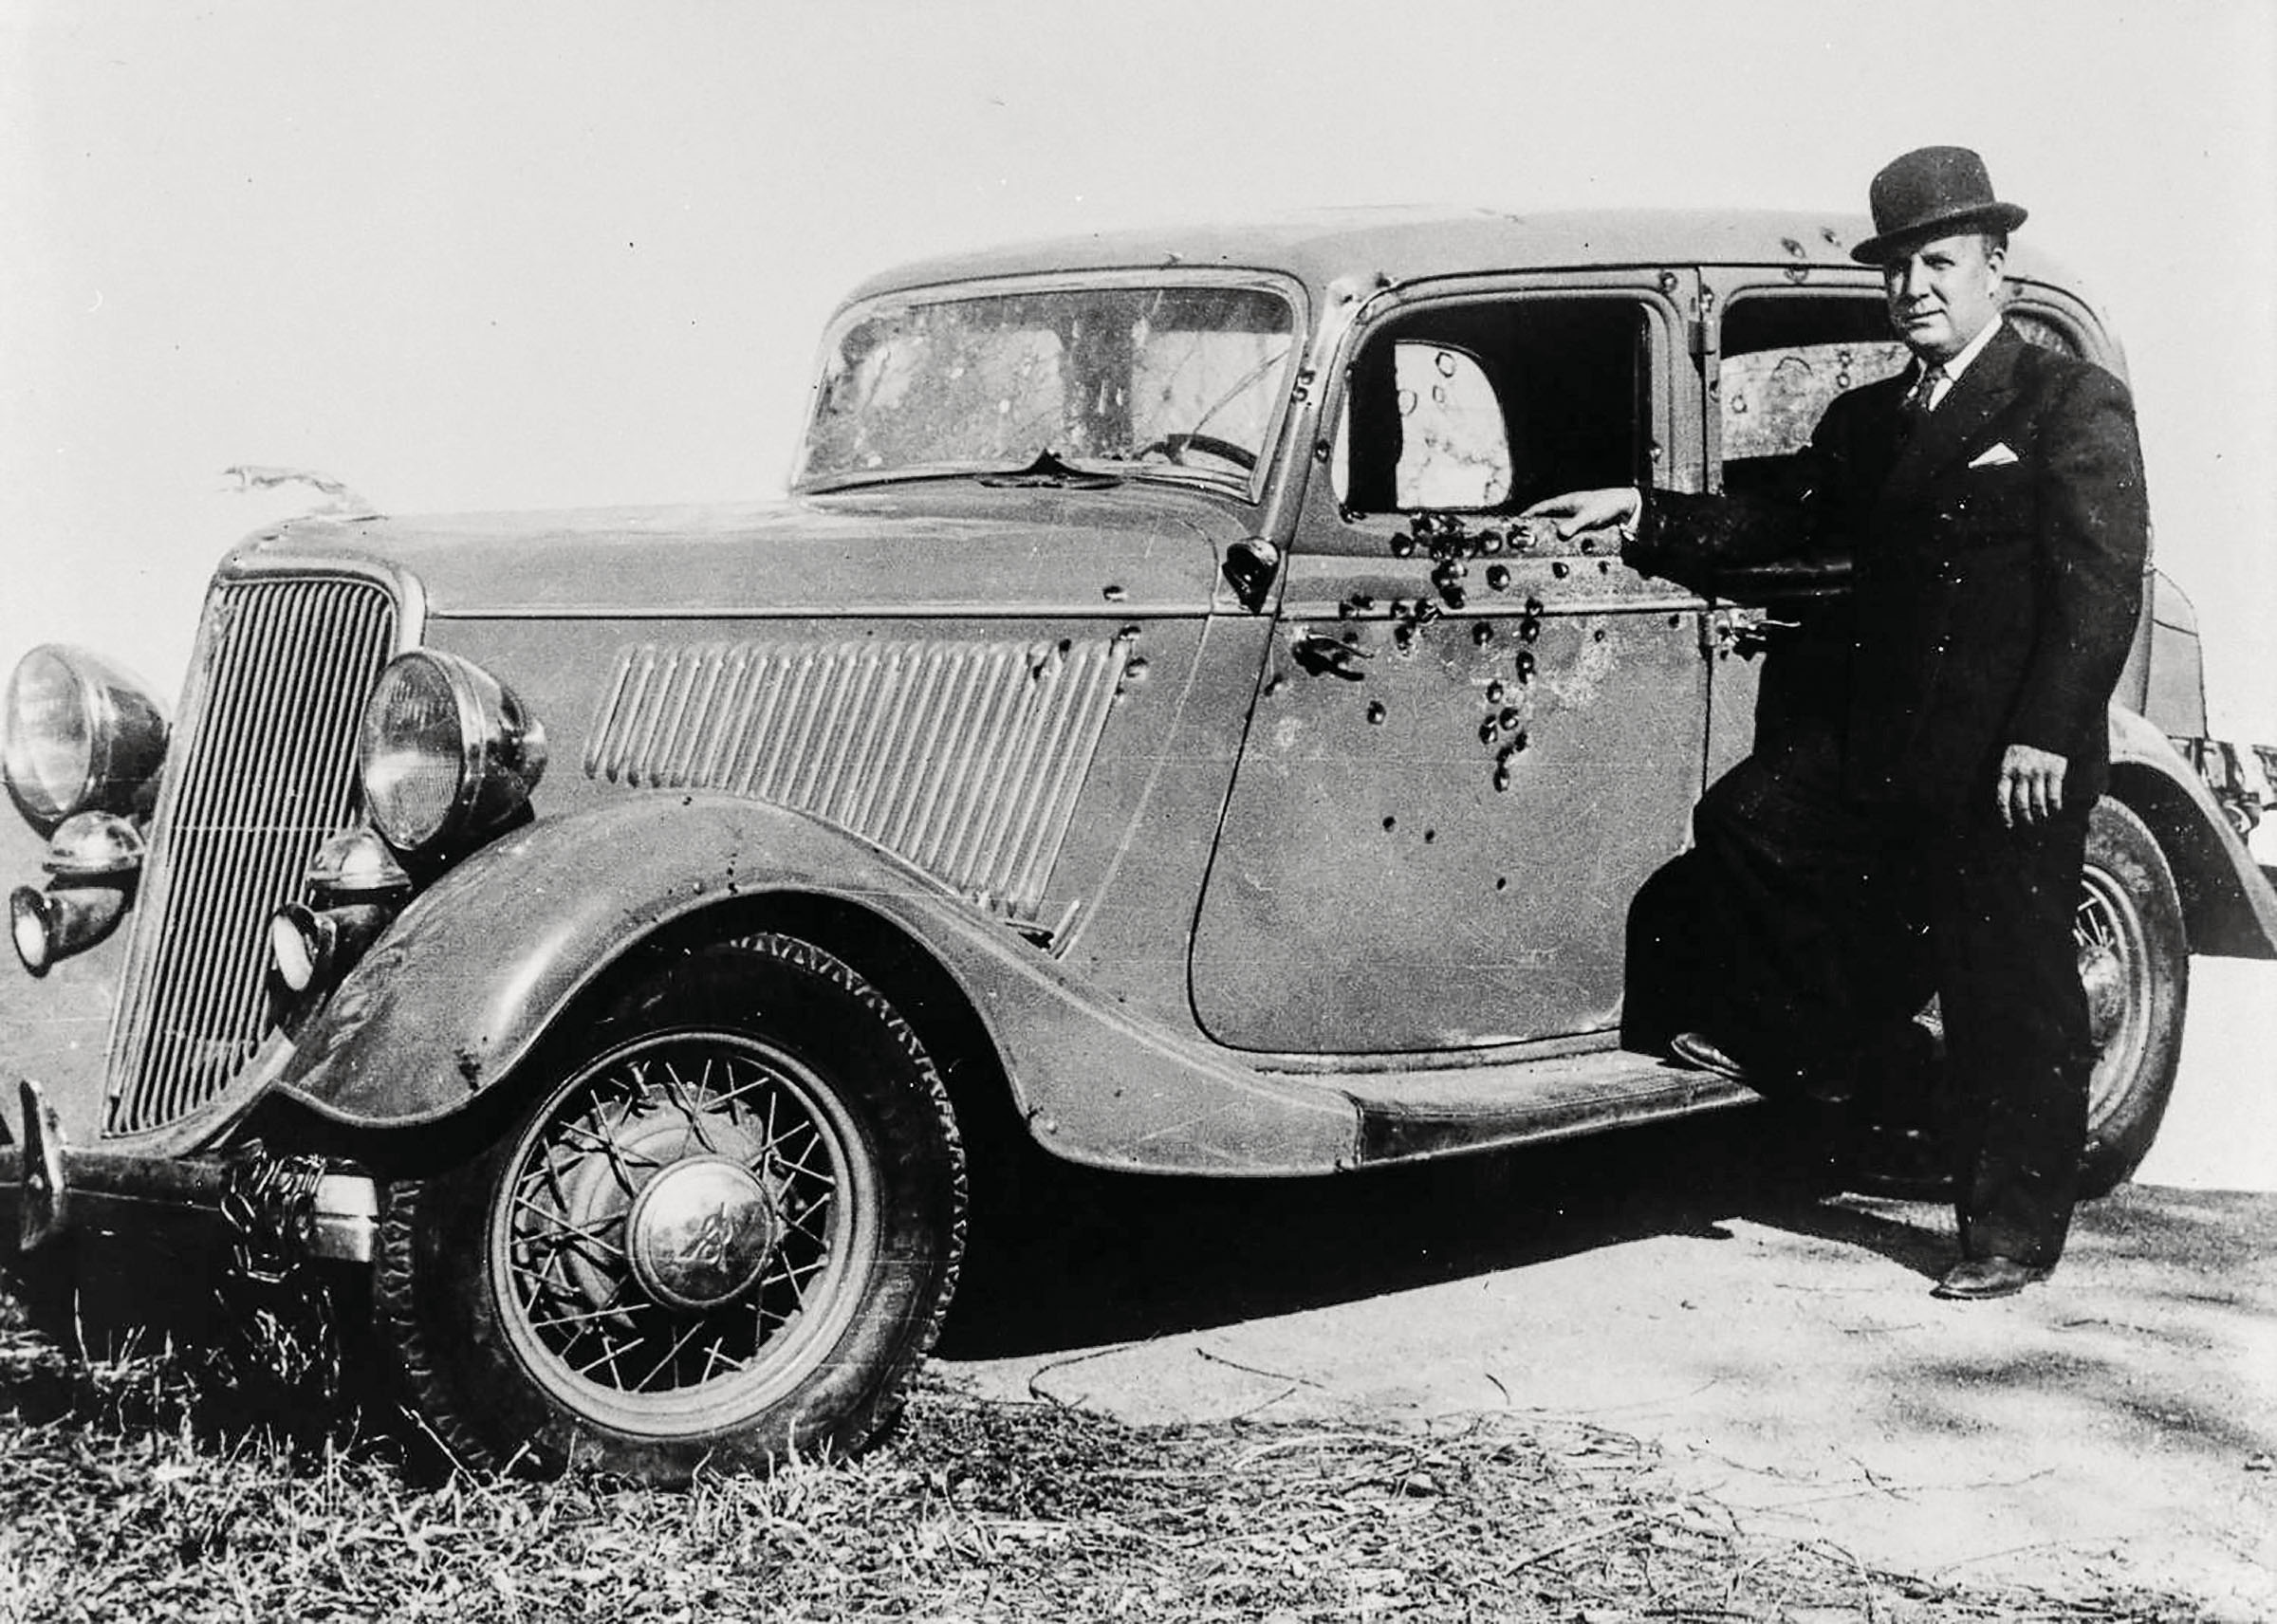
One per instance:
[(1999, 456)]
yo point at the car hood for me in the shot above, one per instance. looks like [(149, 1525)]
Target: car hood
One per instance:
[(939, 550)]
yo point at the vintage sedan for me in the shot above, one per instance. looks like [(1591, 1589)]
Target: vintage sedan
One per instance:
[(610, 952)]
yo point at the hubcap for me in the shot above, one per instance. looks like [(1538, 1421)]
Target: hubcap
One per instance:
[(2103, 976), (700, 1232)]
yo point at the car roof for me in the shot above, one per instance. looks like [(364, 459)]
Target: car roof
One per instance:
[(1369, 245)]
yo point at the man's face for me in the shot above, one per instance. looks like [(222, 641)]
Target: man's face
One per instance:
[(1942, 293)]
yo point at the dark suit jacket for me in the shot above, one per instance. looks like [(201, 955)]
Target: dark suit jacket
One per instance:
[(1999, 557)]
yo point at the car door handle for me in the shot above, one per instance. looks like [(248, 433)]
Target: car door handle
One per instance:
[(1326, 657)]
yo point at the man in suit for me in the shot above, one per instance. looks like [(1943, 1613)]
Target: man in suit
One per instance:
[(1991, 498)]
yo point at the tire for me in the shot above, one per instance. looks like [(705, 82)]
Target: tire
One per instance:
[(2134, 963), (727, 1234)]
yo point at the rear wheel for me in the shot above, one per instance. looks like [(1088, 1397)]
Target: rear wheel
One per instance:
[(729, 1233), (2134, 957), (2134, 961)]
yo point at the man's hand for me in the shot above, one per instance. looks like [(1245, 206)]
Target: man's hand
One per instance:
[(1579, 510), (2031, 785)]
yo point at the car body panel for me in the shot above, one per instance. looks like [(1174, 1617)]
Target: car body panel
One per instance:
[(524, 929)]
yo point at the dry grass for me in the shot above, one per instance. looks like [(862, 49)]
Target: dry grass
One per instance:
[(122, 1500)]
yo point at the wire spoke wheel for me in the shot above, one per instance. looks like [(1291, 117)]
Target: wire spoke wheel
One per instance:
[(728, 1233), (689, 1224), (2114, 970), (2134, 958)]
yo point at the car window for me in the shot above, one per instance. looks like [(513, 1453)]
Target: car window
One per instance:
[(1483, 405), (1180, 381), (1453, 452), (1786, 357)]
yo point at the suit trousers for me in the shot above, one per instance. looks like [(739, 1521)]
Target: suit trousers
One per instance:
[(1834, 918)]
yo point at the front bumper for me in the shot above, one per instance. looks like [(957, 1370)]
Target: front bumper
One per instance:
[(276, 1210)]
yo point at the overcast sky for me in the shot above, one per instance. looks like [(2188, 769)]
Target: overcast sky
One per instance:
[(518, 257)]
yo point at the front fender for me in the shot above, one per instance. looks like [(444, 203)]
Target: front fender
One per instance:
[(462, 986), (2227, 904)]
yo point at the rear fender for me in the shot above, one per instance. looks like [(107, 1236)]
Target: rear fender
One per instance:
[(2227, 904), (458, 991)]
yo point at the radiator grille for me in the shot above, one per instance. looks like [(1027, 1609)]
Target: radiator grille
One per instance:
[(262, 769), (966, 758)]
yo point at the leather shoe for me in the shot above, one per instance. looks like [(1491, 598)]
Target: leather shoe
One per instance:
[(1973, 1279), (1699, 1051)]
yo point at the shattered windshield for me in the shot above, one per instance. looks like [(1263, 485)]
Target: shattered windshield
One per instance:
[(1184, 381)]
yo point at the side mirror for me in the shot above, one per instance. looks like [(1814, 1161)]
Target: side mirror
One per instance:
[(1250, 567)]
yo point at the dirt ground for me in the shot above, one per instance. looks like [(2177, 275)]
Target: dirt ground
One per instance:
[(1695, 1286)]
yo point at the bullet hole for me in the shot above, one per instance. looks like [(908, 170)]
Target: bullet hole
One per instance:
[(1559, 568), (1588, 544), (1357, 603), (1510, 751), (1375, 712), (1455, 568), (1676, 619), (1604, 567), (1390, 824), (1525, 665), (1502, 785), (1533, 606), (1112, 594), (1598, 635), (1510, 717), (1403, 547), (1502, 881), (1403, 639), (1274, 684), (1351, 639), (1495, 692), (1482, 634), (1528, 629), (1429, 836), (1489, 730), (1135, 668), (1489, 540), (1498, 577), (1454, 595), (1066, 646)]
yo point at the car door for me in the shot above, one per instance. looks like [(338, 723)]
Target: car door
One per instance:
[(1474, 743)]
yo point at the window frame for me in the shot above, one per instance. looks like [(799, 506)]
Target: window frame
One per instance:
[(1324, 525)]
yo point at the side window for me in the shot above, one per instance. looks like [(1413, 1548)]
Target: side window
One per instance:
[(1784, 360), (1453, 452), (1786, 356), (1486, 405)]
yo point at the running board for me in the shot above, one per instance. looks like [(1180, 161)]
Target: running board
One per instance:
[(1411, 1116)]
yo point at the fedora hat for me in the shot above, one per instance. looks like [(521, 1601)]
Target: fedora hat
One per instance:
[(1932, 191)]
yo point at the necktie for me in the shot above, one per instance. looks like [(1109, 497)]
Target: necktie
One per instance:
[(1915, 409)]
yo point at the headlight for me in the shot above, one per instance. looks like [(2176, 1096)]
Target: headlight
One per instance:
[(446, 751), (78, 735)]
